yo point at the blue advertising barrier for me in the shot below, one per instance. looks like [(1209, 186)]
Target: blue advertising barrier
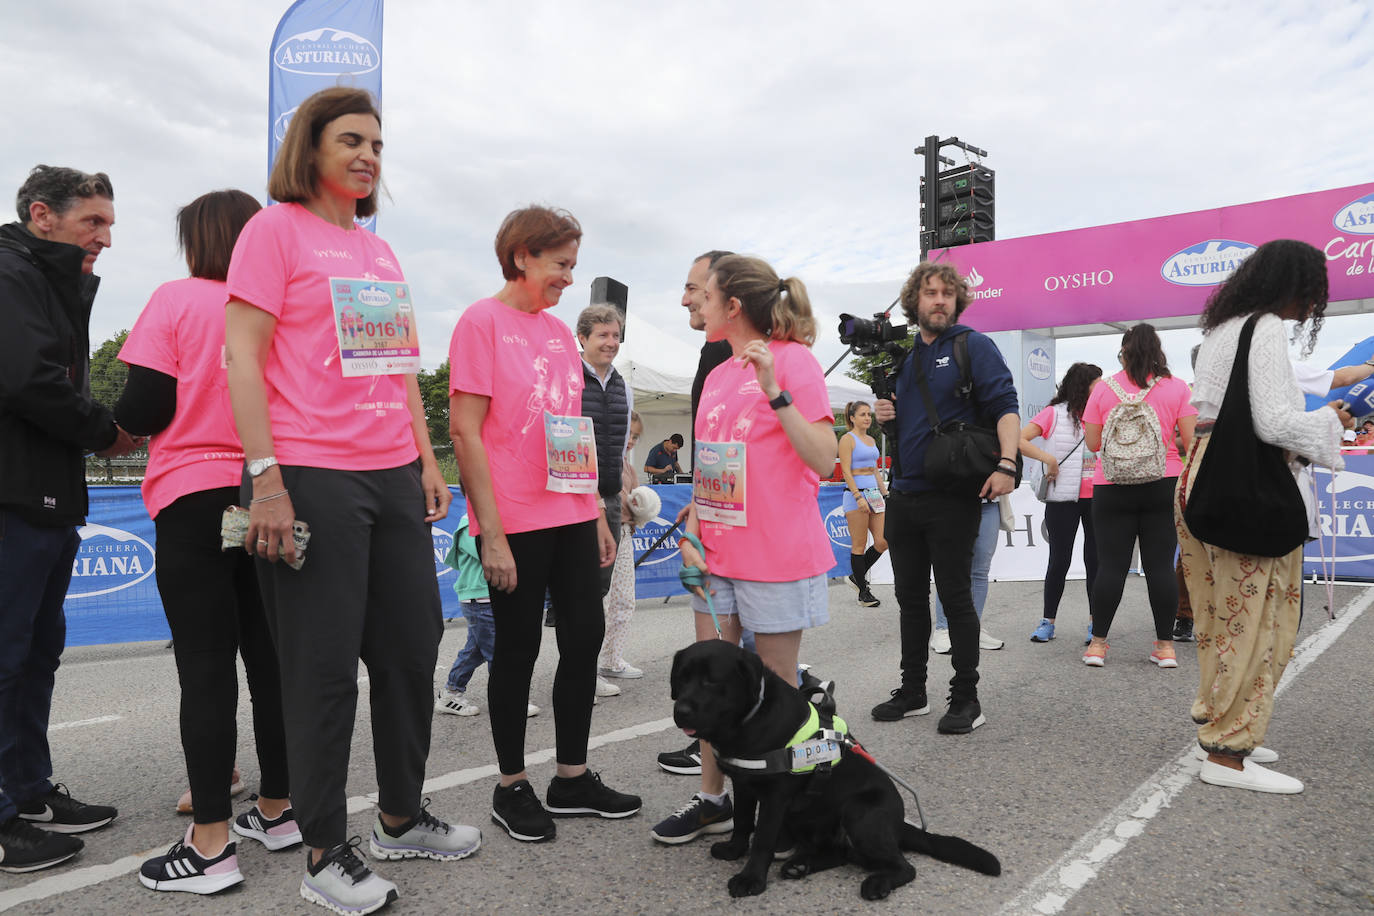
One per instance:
[(113, 593), (1347, 521)]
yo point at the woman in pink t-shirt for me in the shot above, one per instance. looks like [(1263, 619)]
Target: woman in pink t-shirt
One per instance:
[(346, 451), (515, 381), (1125, 513), (1069, 467), (765, 419), (177, 393)]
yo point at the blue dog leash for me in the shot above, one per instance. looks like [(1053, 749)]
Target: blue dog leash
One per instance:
[(695, 580)]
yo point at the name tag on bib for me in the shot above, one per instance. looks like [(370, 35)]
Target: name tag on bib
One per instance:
[(571, 446), (375, 321), (718, 480)]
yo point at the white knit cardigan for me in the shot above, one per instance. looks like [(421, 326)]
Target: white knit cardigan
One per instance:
[(1278, 407)]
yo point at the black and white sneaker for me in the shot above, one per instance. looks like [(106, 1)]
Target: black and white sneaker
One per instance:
[(23, 847), (516, 808), (280, 832), (182, 868), (686, 762), (586, 795), (425, 836), (342, 883), (867, 598), (59, 812)]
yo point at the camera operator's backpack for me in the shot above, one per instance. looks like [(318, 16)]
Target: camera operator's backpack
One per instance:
[(1132, 441)]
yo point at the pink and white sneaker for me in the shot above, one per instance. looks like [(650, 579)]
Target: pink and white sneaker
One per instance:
[(274, 833), (182, 868)]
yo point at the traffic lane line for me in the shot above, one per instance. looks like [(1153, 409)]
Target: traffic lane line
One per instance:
[(81, 723), (1056, 886)]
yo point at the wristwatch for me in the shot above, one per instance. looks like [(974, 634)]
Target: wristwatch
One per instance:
[(782, 400), (258, 466)]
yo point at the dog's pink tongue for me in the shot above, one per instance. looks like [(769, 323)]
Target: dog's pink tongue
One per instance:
[(690, 732)]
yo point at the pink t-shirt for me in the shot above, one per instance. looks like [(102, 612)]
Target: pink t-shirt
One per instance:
[(181, 333), (1045, 420), (1170, 398), (527, 364), (784, 538), (282, 264)]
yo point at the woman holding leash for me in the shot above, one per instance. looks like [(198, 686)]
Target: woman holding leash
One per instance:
[(865, 497), (764, 417), (1069, 467)]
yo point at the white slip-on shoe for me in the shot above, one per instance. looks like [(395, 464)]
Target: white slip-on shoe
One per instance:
[(939, 642), (1260, 754), (987, 641), (1253, 777)]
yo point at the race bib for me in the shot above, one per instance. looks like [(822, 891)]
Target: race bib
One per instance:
[(718, 482), (876, 503), (571, 446), (375, 320)]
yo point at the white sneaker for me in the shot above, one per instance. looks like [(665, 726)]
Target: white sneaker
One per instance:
[(987, 641), (455, 703), (939, 642), (1260, 754), (1253, 777), (342, 883), (626, 670), (426, 837), (531, 711), (605, 688)]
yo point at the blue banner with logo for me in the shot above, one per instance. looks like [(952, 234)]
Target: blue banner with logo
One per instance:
[(1347, 522), (113, 594), (319, 44)]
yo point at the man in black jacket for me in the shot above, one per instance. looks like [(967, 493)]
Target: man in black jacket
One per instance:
[(48, 423)]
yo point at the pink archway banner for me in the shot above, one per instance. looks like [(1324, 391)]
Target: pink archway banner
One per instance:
[(1161, 267)]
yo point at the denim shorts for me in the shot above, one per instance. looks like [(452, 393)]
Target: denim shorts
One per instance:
[(770, 607)]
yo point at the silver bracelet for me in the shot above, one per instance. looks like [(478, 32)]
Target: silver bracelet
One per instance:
[(262, 499)]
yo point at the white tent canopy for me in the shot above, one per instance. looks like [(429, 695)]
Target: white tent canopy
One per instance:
[(665, 402)]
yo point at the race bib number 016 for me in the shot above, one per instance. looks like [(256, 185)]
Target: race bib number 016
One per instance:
[(718, 482), (571, 446), (375, 320)]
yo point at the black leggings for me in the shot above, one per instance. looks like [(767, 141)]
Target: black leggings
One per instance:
[(1121, 514), (1061, 530), (563, 560), (215, 611)]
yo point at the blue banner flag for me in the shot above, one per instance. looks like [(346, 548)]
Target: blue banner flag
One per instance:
[(319, 44)]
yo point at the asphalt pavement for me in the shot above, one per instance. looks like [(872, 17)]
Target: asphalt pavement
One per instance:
[(1082, 781)]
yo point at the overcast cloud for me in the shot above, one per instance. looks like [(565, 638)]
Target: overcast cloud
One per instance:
[(783, 129)]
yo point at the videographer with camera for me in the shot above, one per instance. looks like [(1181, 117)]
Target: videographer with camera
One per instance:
[(944, 466)]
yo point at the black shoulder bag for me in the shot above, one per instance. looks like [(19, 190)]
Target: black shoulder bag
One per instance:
[(961, 456), (1244, 497)]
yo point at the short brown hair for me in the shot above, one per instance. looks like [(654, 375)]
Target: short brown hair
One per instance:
[(535, 229), (60, 188), (911, 290), (208, 227), (601, 313), (293, 178)]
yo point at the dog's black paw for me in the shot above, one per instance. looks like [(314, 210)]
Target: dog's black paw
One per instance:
[(747, 884), (798, 866), (876, 887), (729, 850)]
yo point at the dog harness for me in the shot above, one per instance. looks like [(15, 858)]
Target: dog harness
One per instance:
[(815, 747)]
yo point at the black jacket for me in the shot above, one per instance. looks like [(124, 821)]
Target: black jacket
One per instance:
[(609, 409), (47, 418)]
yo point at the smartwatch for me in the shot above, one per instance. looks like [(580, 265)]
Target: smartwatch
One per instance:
[(258, 466), (782, 400)]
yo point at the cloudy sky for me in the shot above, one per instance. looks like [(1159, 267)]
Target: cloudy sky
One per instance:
[(783, 129)]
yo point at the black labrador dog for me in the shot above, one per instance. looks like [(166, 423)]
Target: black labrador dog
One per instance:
[(849, 812)]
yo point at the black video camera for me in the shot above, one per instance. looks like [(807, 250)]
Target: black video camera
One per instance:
[(869, 337)]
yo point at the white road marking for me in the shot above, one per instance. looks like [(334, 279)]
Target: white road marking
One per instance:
[(95, 874), (1051, 891), (81, 722)]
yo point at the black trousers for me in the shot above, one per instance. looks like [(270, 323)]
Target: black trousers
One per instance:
[(565, 561), (1121, 515), (1061, 530), (215, 611), (367, 591), (925, 531)]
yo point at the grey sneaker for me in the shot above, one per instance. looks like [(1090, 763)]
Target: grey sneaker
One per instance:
[(424, 837), (342, 883)]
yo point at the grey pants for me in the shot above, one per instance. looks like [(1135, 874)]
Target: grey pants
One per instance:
[(367, 591)]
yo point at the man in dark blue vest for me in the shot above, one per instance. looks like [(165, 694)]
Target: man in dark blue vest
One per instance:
[(608, 401)]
